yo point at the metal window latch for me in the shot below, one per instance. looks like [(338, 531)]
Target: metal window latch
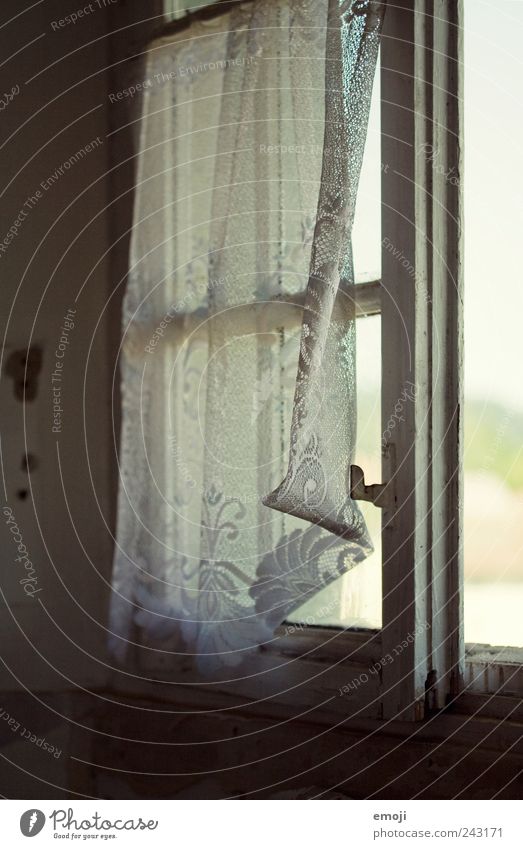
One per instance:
[(379, 494)]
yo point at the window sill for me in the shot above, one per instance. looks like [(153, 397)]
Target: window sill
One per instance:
[(329, 675)]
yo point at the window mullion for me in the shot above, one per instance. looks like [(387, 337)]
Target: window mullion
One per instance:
[(421, 351)]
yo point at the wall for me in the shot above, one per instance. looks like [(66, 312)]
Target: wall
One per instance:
[(56, 277)]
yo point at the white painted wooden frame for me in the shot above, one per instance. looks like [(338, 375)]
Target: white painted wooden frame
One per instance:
[(422, 344)]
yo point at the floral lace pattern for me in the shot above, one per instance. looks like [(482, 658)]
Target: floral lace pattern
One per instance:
[(250, 147), (316, 486)]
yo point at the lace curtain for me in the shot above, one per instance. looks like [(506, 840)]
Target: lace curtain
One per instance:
[(252, 135)]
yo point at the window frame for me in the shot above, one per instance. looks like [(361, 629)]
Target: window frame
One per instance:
[(173, 9), (422, 639), (421, 99)]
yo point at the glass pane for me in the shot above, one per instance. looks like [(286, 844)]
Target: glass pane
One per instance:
[(176, 8), (366, 237), (354, 601), (493, 307)]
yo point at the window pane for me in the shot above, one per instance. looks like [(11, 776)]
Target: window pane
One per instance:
[(367, 224), (176, 8), (354, 601), (493, 307)]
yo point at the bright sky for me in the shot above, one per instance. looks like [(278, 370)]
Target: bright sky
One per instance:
[(493, 186), (494, 200)]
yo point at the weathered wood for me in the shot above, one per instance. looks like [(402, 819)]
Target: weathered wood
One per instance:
[(189, 748), (422, 351), (480, 705)]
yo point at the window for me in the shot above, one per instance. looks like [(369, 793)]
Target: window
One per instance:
[(414, 609), (354, 601), (421, 636), (174, 9)]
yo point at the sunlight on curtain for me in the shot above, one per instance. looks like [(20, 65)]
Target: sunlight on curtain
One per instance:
[(230, 200)]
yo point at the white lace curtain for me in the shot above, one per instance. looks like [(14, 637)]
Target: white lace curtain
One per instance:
[(252, 136)]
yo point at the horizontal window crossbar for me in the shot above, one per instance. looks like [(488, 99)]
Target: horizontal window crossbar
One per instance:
[(177, 325)]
